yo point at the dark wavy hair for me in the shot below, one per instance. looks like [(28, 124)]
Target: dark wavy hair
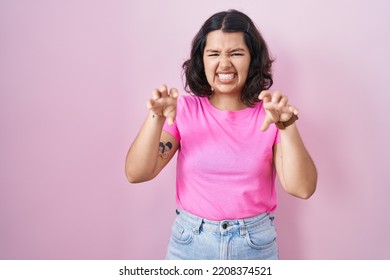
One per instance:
[(259, 76)]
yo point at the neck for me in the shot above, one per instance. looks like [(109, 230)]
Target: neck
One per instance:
[(227, 102)]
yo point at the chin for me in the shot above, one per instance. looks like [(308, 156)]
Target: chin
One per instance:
[(227, 89)]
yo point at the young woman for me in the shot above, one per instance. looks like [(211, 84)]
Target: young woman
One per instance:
[(232, 136)]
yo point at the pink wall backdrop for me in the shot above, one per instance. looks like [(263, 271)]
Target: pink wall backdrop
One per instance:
[(74, 79)]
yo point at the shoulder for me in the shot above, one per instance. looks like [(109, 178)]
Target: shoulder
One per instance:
[(190, 101), (190, 98)]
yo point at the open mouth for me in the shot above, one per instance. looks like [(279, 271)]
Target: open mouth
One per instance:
[(226, 77)]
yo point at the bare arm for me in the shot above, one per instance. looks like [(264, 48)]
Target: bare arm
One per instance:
[(153, 148), (294, 166)]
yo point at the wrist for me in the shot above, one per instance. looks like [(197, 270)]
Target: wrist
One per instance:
[(283, 125), (155, 116)]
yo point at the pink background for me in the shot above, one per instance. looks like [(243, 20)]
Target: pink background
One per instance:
[(74, 79)]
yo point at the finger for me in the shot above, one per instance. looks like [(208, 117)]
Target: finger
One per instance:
[(170, 121), (289, 109), (174, 92), (156, 94), (149, 103), (163, 90), (171, 115), (266, 123), (293, 110), (269, 106), (154, 106), (283, 102), (265, 96), (276, 97)]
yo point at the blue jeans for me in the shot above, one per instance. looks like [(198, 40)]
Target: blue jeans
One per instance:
[(195, 238)]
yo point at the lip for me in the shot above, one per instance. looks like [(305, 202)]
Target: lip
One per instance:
[(226, 72)]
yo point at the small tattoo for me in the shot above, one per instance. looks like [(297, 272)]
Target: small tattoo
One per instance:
[(165, 148)]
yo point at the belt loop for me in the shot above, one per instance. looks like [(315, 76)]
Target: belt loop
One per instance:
[(243, 230), (197, 225)]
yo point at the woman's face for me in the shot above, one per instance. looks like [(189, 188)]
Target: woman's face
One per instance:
[(226, 61)]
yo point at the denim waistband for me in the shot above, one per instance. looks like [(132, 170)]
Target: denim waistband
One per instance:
[(241, 225)]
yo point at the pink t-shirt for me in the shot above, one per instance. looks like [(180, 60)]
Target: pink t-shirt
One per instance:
[(225, 162)]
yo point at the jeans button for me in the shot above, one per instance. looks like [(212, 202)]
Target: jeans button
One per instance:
[(224, 225)]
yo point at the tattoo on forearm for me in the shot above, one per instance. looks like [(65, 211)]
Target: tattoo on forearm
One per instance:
[(165, 148)]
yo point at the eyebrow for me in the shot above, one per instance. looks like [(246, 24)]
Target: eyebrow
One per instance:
[(231, 51)]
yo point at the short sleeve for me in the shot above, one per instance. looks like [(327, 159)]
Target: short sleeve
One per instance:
[(172, 129)]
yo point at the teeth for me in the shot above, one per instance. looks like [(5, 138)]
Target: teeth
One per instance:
[(226, 76)]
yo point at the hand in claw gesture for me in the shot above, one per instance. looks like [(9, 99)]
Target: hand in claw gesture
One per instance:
[(277, 108), (164, 102)]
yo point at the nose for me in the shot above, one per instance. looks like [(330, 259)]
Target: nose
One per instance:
[(225, 62)]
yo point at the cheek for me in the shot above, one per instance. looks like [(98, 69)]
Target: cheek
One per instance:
[(209, 71), (245, 70)]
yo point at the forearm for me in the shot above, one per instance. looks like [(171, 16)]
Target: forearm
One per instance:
[(143, 154), (298, 172)]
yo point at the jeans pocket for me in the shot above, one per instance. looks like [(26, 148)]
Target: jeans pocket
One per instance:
[(181, 233), (262, 236)]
